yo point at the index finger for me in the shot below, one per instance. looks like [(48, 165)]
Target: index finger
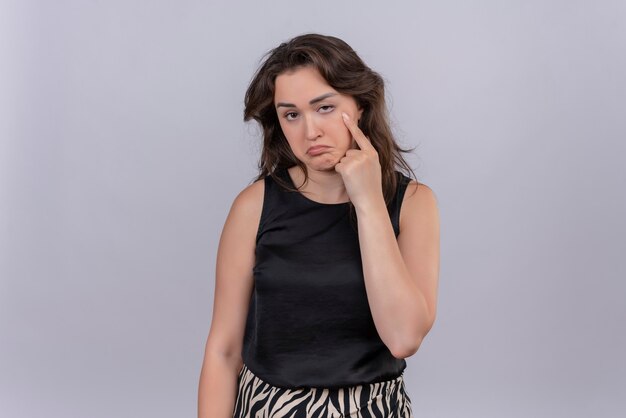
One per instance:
[(362, 141)]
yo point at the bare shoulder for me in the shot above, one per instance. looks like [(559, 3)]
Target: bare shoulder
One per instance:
[(245, 214), (249, 201), (419, 201)]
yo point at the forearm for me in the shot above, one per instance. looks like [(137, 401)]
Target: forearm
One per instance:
[(218, 386), (399, 308)]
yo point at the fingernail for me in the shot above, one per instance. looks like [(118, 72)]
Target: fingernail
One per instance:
[(345, 115)]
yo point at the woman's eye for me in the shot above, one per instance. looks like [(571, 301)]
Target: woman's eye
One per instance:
[(326, 109), (290, 115)]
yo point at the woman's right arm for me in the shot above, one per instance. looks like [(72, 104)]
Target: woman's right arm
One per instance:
[(233, 287)]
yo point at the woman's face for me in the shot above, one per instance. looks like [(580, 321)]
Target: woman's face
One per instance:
[(309, 111)]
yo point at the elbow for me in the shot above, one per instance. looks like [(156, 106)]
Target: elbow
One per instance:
[(407, 349), (408, 346)]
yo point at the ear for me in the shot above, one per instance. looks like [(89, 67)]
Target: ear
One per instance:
[(360, 113)]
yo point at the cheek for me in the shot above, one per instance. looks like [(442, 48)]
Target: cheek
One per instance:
[(288, 130), (343, 133), (338, 128), (293, 136)]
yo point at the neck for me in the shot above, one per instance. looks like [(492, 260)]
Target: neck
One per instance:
[(322, 185)]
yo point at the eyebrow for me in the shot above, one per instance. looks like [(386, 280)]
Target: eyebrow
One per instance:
[(312, 101)]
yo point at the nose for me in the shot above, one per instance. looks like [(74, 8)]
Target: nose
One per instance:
[(312, 131)]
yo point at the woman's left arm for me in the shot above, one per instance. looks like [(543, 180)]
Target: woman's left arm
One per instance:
[(401, 276)]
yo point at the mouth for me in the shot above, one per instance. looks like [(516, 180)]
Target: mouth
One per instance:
[(317, 149)]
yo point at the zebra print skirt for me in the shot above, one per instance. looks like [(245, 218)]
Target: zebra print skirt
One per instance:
[(258, 399)]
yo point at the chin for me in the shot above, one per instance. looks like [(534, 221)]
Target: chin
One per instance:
[(322, 164)]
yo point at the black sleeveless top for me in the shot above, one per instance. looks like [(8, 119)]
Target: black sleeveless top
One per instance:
[(309, 323)]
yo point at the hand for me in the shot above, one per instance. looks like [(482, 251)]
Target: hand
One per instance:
[(360, 169)]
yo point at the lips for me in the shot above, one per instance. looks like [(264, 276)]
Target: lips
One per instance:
[(317, 149)]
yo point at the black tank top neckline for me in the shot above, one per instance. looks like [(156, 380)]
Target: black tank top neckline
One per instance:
[(285, 174)]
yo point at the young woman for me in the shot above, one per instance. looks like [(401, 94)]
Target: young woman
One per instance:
[(328, 263)]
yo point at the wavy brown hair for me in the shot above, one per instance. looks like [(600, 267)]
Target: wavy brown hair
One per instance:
[(345, 72)]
